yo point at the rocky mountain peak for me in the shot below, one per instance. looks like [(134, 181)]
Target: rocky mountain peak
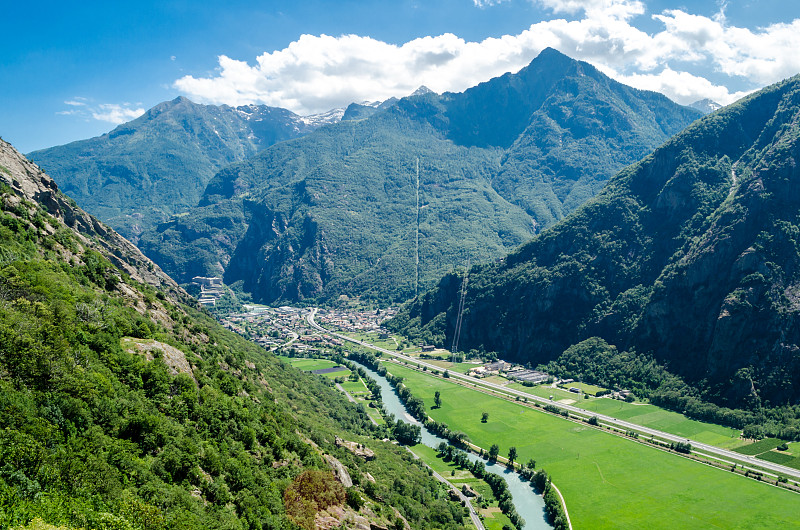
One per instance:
[(421, 91), (706, 106)]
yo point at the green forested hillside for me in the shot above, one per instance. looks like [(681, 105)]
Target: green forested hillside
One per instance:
[(335, 212), (687, 260), (348, 225), (159, 164), (121, 408)]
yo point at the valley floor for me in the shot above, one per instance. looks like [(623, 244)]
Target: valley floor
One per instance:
[(608, 481)]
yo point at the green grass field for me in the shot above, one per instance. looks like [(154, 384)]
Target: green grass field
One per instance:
[(359, 391), (609, 481), (498, 380), (373, 338), (309, 365), (453, 367), (373, 413), (646, 415), (664, 420), (433, 356), (585, 387), (779, 458), (759, 447), (356, 388), (545, 391), (766, 450)]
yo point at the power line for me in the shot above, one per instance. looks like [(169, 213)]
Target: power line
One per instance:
[(416, 252), (460, 319)]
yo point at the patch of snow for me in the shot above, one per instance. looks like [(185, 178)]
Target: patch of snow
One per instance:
[(323, 118), (706, 106)]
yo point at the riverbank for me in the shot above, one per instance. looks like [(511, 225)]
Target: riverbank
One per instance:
[(528, 504)]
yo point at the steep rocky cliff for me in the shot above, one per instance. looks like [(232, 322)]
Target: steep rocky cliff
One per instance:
[(29, 182)]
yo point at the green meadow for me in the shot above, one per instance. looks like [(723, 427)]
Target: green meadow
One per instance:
[(374, 338), (759, 447), (309, 365), (664, 420), (356, 388), (359, 391), (645, 415), (586, 388), (609, 481), (453, 367), (546, 391), (766, 449)]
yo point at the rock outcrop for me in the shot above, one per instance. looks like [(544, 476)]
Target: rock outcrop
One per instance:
[(30, 182)]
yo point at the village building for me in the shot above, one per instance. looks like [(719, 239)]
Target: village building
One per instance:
[(531, 376)]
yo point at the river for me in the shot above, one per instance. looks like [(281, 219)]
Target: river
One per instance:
[(528, 504)]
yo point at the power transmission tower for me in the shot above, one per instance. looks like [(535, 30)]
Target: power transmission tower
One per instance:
[(459, 320)]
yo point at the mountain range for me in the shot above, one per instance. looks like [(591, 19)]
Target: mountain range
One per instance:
[(157, 165), (336, 213), (688, 258)]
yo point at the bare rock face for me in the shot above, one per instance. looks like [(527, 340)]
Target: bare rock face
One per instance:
[(28, 181), (174, 358), (342, 475), (341, 517), (356, 448)]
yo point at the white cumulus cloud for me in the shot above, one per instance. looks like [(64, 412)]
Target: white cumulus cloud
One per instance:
[(681, 86), (316, 73), (319, 72), (115, 113)]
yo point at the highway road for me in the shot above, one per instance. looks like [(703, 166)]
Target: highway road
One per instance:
[(697, 447)]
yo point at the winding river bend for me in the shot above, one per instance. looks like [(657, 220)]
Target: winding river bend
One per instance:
[(527, 503)]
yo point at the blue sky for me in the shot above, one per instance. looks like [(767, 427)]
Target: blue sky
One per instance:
[(74, 70)]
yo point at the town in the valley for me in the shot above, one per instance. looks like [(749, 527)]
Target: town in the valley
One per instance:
[(286, 331)]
